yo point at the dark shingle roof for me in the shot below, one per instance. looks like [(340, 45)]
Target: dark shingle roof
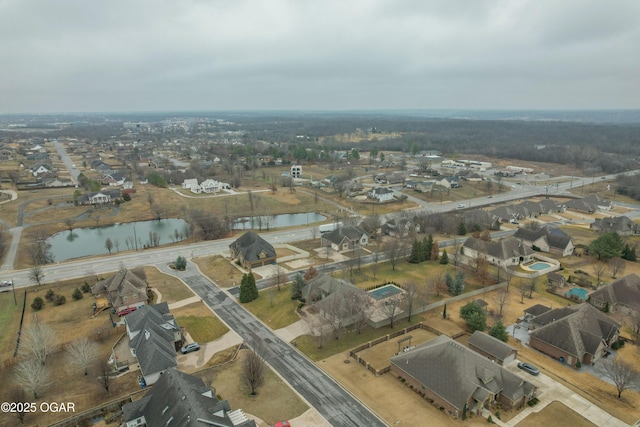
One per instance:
[(508, 247), (349, 232), (576, 330), (536, 310), (624, 291), (456, 373), (250, 245), (490, 345), (182, 400)]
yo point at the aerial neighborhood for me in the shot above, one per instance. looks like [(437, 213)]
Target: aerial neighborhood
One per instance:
[(247, 270)]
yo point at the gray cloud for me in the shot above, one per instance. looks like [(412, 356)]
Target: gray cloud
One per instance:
[(74, 55)]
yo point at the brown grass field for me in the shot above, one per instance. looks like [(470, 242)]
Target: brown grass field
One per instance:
[(552, 414)]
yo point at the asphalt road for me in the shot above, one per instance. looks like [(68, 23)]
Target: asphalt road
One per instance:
[(334, 403)]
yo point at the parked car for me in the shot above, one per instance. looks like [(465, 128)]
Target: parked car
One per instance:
[(5, 283), (528, 368), (461, 206), (126, 311), (282, 424), (194, 346)]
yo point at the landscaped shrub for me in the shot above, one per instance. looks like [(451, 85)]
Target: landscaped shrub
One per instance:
[(37, 303), (86, 288), (578, 364), (60, 299), (126, 197), (533, 401), (77, 294), (181, 263), (50, 295)]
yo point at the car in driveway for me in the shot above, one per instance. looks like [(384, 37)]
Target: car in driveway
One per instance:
[(194, 346), (528, 368), (282, 424)]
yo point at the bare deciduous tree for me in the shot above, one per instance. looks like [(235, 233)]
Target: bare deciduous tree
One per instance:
[(38, 340), (36, 274), (413, 297), (32, 376), (82, 353), (501, 297), (523, 288), (392, 249), (508, 277), (620, 372), (105, 375), (391, 308), (533, 283), (616, 266), (599, 269), (253, 371), (108, 244), (69, 222)]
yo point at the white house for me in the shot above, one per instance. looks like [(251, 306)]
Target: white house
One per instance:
[(190, 183), (382, 194)]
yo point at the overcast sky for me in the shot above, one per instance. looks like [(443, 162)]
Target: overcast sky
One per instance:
[(154, 55)]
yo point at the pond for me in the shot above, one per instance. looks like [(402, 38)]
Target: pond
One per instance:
[(132, 235), (276, 221)]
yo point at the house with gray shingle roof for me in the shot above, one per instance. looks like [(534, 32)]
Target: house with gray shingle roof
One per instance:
[(492, 348), (580, 333), (546, 239), (125, 289), (345, 238), (154, 338), (250, 250), (455, 378), (621, 225), (503, 252), (620, 295), (180, 399)]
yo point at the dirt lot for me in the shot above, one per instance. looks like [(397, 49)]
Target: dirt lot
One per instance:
[(378, 356)]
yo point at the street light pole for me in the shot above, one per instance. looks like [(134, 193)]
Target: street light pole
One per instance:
[(13, 286)]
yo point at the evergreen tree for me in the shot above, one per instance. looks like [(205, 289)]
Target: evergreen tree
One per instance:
[(414, 258), (444, 259), (444, 311), (448, 280), (499, 331), (245, 292), (428, 247), (296, 287), (475, 316), (251, 286), (435, 251), (462, 229), (459, 283)]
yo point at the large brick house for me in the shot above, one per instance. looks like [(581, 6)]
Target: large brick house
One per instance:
[(458, 380), (503, 252), (547, 239), (580, 333), (127, 289), (622, 295)]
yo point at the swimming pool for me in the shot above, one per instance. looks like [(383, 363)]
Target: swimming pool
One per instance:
[(539, 266), (579, 292), (385, 291)]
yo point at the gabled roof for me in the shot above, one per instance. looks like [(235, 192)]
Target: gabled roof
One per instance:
[(620, 224), (323, 284), (554, 237), (577, 330), (349, 232), (508, 247), (251, 245), (179, 399), (536, 310), (456, 373), (132, 283), (157, 314), (624, 291), (490, 345), (596, 200)]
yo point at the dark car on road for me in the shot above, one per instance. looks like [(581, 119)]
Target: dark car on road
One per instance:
[(194, 346), (528, 368)]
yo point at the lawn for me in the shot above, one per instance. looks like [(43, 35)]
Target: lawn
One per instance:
[(200, 322), (219, 270), (171, 288), (348, 340), (275, 308), (551, 414), (9, 322), (275, 401)]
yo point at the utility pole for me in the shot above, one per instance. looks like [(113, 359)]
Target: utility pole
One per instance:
[(13, 286)]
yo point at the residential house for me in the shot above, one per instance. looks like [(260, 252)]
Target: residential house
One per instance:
[(113, 179), (381, 194), (345, 238), (510, 213), (250, 250), (125, 289), (401, 227), (154, 338), (621, 225), (179, 399), (424, 186), (100, 198), (448, 182), (600, 203), (480, 219), (556, 280), (459, 380), (503, 252), (580, 205), (212, 186), (546, 239), (534, 310), (622, 295), (190, 183), (579, 333), (40, 169), (492, 348)]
